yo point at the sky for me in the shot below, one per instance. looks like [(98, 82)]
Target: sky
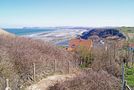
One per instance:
[(42, 13)]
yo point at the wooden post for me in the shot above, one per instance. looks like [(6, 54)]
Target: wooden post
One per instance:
[(114, 50), (34, 71), (127, 87), (106, 48), (54, 65), (7, 85), (68, 67), (132, 58), (123, 81)]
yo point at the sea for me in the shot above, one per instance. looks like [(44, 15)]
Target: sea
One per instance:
[(57, 36), (27, 31)]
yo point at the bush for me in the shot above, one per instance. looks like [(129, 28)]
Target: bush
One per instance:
[(108, 60), (17, 55), (85, 55), (89, 80)]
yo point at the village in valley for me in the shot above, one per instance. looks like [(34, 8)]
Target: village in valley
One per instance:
[(104, 54), (66, 44)]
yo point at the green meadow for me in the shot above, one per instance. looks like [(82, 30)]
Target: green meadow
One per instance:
[(129, 75)]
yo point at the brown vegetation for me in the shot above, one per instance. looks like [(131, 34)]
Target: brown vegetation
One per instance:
[(107, 60), (17, 55), (89, 80), (3, 32)]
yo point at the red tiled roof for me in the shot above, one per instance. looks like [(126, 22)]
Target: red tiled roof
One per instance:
[(74, 43), (131, 45)]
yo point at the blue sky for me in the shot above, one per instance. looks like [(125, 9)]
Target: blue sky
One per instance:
[(41, 13)]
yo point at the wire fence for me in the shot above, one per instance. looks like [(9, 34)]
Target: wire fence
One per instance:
[(125, 86), (40, 71)]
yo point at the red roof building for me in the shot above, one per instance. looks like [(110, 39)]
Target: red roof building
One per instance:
[(75, 43)]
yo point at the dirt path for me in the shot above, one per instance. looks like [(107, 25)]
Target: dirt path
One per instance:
[(50, 81)]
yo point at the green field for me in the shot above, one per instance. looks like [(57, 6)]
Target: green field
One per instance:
[(129, 32), (129, 76), (127, 29)]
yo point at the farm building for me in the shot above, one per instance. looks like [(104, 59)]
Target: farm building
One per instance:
[(131, 46), (75, 43)]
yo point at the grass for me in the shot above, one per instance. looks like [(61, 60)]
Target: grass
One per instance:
[(127, 29), (17, 55), (129, 76), (129, 32)]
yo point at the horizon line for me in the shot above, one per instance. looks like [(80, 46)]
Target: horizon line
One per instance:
[(65, 26)]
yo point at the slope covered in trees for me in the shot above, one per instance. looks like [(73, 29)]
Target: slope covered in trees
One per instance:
[(102, 33)]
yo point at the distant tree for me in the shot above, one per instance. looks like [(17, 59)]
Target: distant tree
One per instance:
[(86, 56)]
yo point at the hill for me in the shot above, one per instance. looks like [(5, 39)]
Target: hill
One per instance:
[(17, 56), (129, 32), (3, 32), (25, 61), (86, 80), (102, 33)]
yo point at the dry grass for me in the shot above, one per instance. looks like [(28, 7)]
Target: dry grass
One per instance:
[(18, 54), (98, 58), (89, 80), (3, 32), (107, 61)]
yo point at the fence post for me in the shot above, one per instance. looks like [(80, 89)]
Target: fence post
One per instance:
[(7, 85), (54, 65), (34, 71), (68, 67), (123, 82), (128, 88)]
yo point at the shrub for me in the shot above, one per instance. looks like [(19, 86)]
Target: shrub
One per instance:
[(85, 55), (17, 55), (89, 80)]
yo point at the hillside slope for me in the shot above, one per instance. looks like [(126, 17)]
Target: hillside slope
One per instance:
[(25, 61), (3, 32), (17, 56), (102, 33), (84, 80)]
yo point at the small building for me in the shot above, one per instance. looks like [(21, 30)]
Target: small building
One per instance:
[(131, 47), (75, 43), (94, 38)]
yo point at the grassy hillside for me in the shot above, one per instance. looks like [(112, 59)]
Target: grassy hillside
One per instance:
[(17, 56), (127, 29), (3, 32), (129, 76), (84, 80), (25, 61), (129, 32)]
